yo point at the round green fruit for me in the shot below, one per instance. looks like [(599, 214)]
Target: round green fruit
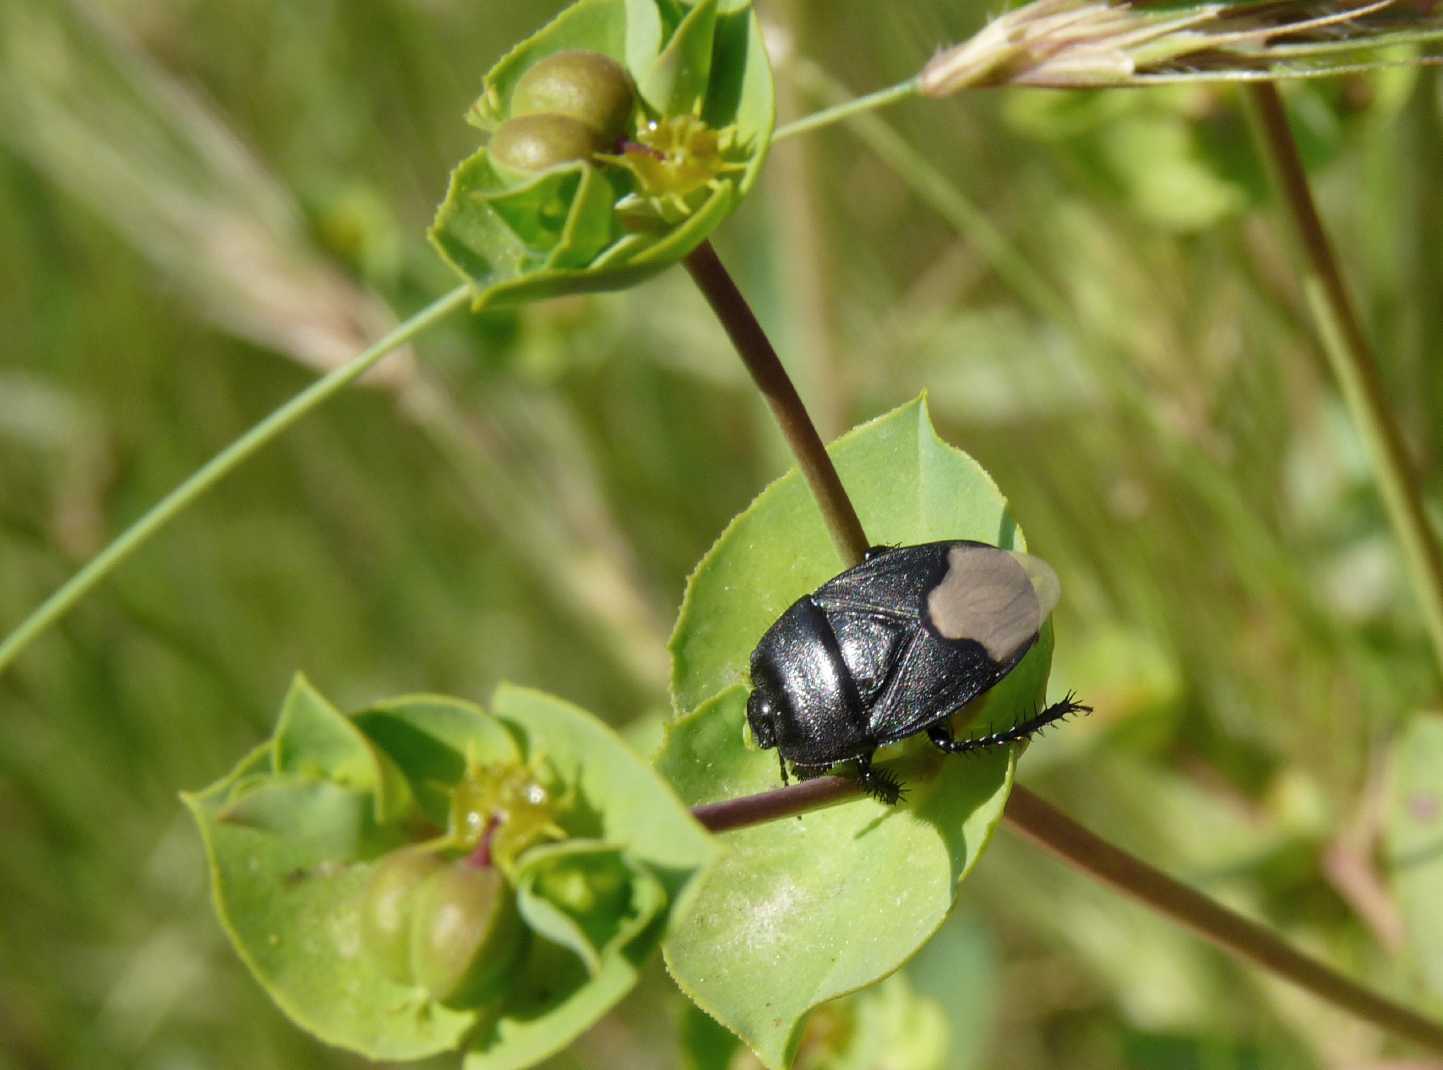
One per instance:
[(466, 934), (531, 143), (587, 86), (386, 909)]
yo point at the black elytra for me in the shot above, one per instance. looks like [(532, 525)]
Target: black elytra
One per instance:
[(894, 646)]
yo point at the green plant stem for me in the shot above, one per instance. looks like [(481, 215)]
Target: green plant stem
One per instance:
[(210, 473), (938, 190), (1043, 825), (846, 109), (776, 386), (1352, 360)]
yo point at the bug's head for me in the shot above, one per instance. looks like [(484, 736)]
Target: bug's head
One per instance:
[(762, 715)]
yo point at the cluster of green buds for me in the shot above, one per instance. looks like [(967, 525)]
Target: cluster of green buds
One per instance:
[(579, 105), (442, 915), (567, 107), (618, 136)]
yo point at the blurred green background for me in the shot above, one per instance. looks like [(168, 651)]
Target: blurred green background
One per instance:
[(204, 203)]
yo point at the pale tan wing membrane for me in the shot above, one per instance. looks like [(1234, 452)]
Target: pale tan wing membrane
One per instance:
[(1045, 583), (998, 598)]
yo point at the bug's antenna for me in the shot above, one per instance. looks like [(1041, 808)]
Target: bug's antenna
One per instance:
[(1058, 711)]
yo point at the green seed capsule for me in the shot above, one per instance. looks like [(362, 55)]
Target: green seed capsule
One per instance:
[(387, 908), (588, 86), (466, 935), (532, 143)]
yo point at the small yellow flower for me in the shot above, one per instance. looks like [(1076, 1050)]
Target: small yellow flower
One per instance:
[(671, 160)]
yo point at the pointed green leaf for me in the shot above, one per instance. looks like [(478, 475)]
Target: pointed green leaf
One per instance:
[(675, 81), (314, 739)]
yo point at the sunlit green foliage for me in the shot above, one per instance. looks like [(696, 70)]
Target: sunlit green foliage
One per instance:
[(526, 499)]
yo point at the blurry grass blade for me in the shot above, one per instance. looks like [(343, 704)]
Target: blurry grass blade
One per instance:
[(96, 116), (1075, 43)]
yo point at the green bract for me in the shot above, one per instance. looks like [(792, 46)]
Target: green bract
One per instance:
[(801, 911), (554, 213), (359, 869)]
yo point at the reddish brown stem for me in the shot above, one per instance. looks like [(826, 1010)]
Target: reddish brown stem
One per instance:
[(771, 377), (1049, 828)]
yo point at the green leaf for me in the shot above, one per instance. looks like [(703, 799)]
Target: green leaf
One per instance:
[(802, 911), (889, 1026), (314, 739), (586, 896), (617, 800), (560, 232), (293, 838), (908, 485), (432, 738), (675, 81), (1414, 838), (289, 898)]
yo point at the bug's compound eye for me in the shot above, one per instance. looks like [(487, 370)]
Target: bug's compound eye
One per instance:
[(761, 719)]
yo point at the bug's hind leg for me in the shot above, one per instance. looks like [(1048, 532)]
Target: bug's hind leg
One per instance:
[(879, 783), (941, 732), (782, 764)]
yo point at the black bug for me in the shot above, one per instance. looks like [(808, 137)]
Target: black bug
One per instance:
[(892, 648)]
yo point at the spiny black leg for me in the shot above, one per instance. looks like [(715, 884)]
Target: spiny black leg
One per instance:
[(782, 763), (878, 783), (941, 732)]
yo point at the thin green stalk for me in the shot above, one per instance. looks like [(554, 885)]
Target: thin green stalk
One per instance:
[(939, 191), (1353, 361), (210, 473), (846, 109), (1043, 825), (767, 371)]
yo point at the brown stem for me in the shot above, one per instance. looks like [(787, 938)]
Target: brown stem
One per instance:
[(1353, 361), (772, 380), (747, 810), (1049, 828)]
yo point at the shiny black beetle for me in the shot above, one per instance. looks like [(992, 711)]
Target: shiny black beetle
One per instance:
[(893, 647)]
